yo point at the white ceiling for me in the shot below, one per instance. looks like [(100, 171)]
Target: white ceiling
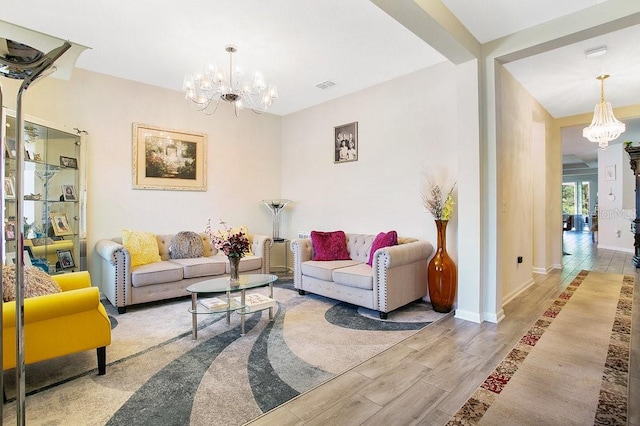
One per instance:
[(300, 43)]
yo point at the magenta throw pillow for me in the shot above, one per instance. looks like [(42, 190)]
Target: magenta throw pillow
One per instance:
[(329, 245), (382, 240)]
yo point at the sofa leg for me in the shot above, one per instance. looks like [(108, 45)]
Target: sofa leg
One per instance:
[(102, 360), (301, 292), (122, 309), (383, 315)]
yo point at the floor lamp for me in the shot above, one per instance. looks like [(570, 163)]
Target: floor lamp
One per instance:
[(21, 61), (276, 206)]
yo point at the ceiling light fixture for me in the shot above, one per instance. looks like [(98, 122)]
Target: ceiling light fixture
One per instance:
[(206, 90), (604, 127)]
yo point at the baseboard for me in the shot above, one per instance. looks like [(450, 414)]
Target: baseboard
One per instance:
[(543, 271), (468, 316), (494, 318), (518, 291), (615, 248), (558, 266)]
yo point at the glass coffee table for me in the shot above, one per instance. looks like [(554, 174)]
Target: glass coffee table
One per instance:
[(227, 303)]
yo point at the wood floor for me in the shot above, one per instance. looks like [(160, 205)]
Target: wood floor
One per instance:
[(426, 379)]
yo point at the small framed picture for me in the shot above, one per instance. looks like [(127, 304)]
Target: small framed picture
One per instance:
[(65, 257), (10, 148), (69, 162), (346, 143), (10, 230), (60, 224), (9, 189), (69, 193)]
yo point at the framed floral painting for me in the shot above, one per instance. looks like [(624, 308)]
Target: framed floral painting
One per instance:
[(169, 159)]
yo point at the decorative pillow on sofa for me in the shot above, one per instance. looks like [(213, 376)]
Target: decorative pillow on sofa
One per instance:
[(36, 283), (186, 245), (142, 246), (382, 240), (329, 245)]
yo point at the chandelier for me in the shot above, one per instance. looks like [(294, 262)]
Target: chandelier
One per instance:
[(604, 127), (206, 90)]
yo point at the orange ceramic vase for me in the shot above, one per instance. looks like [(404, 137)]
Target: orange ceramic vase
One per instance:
[(442, 275)]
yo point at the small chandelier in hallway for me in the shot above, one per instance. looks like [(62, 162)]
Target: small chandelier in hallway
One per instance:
[(604, 127), (206, 90)]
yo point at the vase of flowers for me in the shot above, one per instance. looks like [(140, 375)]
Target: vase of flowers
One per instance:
[(233, 244), (441, 272)]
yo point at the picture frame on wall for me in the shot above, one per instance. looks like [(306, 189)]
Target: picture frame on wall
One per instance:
[(60, 224), (168, 159), (65, 258), (346, 142)]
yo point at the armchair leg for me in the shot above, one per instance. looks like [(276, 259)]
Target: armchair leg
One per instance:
[(102, 360), (302, 292), (383, 315), (122, 309)]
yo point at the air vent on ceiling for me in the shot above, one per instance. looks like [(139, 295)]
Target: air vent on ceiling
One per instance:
[(325, 84)]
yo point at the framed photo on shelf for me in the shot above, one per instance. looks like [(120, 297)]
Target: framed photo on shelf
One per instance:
[(346, 142), (60, 224), (69, 193), (10, 148), (9, 189), (65, 257), (10, 229), (169, 159), (69, 162)]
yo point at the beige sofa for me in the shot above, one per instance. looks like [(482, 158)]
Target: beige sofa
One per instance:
[(398, 274), (125, 286)]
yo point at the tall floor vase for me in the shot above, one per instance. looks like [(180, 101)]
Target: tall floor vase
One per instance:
[(442, 274)]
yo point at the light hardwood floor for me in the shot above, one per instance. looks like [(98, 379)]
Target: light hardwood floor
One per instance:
[(426, 378)]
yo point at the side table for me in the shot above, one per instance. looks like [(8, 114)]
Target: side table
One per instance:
[(285, 245)]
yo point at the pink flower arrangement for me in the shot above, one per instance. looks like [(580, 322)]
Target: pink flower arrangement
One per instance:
[(232, 244)]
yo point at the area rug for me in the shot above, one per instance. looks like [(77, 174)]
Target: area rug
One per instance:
[(570, 368), (157, 374)]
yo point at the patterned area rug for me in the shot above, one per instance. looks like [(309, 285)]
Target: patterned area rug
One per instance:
[(157, 374), (570, 368)]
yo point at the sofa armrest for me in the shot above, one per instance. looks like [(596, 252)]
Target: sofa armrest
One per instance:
[(261, 247), (115, 271), (402, 254), (302, 251), (42, 308)]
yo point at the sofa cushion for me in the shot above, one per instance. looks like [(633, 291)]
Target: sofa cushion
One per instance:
[(329, 245), (156, 273), (358, 276), (382, 240), (142, 246), (323, 270), (247, 263), (186, 245), (201, 266)]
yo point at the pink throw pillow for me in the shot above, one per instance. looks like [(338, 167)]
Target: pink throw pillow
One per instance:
[(329, 245), (382, 240)]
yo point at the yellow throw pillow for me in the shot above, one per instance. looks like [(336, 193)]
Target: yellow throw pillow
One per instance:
[(142, 246)]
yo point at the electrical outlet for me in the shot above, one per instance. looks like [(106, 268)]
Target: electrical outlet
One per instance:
[(520, 259)]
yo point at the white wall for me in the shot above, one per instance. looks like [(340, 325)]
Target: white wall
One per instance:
[(616, 200), (407, 129), (244, 158)]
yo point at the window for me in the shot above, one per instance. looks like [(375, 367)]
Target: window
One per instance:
[(569, 198)]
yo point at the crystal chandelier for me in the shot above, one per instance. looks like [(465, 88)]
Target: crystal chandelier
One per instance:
[(604, 127), (206, 90)]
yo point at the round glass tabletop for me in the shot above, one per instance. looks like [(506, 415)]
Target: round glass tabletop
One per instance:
[(224, 284)]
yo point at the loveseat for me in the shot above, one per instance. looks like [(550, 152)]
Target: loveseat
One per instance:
[(397, 275), (125, 285)]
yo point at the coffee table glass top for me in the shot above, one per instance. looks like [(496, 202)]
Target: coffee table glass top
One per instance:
[(224, 284)]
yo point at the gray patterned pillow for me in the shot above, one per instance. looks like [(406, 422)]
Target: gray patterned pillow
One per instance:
[(186, 245)]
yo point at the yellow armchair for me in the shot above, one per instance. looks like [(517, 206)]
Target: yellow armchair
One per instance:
[(59, 324)]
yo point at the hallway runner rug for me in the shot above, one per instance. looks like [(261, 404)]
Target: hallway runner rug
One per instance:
[(570, 368), (158, 375)]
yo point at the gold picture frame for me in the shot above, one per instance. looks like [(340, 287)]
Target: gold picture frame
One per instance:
[(60, 224), (169, 159)]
